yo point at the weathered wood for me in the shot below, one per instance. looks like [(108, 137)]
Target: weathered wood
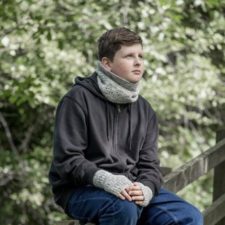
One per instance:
[(195, 168), (165, 170), (221, 222), (215, 212), (219, 177)]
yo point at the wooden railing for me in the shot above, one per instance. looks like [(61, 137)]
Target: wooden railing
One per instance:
[(213, 158)]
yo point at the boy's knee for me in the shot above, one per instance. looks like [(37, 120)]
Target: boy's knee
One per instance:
[(197, 216), (129, 209), (125, 211)]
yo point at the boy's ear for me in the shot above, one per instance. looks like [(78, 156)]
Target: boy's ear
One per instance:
[(106, 62)]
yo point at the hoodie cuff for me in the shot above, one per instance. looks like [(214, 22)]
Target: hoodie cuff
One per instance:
[(90, 174)]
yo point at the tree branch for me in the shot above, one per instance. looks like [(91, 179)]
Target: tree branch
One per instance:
[(28, 135), (8, 134), (5, 178)]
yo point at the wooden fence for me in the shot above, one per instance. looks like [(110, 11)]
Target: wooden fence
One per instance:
[(213, 158)]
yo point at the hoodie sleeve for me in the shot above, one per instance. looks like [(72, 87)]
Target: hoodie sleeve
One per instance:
[(148, 165), (70, 142)]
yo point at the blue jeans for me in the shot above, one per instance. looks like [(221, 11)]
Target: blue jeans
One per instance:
[(91, 204)]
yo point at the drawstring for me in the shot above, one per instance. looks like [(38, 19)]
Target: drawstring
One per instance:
[(130, 126)]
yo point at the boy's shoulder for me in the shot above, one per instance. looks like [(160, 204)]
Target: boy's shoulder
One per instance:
[(142, 100), (81, 87), (76, 92), (145, 106)]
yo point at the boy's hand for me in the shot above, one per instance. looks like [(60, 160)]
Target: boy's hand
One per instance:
[(122, 187), (136, 193)]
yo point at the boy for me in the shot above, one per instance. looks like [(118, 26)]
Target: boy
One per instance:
[(105, 167)]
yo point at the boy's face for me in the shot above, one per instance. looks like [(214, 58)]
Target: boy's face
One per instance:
[(127, 63)]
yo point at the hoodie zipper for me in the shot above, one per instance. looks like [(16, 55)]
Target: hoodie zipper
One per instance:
[(118, 108), (116, 128)]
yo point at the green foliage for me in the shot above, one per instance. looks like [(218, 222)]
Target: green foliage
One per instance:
[(44, 45)]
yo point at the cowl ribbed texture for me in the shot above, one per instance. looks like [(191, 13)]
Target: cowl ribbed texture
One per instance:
[(115, 88), (111, 183)]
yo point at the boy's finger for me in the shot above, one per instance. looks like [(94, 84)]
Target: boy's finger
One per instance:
[(136, 193), (139, 202), (134, 188), (138, 198), (126, 195)]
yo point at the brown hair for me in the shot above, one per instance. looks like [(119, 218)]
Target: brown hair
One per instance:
[(112, 40)]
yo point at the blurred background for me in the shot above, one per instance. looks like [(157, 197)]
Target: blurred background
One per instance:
[(45, 44)]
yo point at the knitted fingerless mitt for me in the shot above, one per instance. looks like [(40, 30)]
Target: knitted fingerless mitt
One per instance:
[(147, 192), (111, 183)]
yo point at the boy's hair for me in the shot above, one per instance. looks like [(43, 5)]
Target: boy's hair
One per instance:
[(112, 40)]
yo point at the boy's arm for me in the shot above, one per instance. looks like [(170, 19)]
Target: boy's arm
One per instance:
[(70, 143), (148, 165)]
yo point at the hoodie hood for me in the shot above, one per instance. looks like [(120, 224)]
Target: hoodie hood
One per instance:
[(91, 84)]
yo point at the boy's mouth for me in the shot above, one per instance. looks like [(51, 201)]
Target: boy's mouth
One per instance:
[(137, 72)]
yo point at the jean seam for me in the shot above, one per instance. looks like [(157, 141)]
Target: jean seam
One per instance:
[(170, 214)]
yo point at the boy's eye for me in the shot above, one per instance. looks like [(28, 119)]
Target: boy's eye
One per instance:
[(129, 56)]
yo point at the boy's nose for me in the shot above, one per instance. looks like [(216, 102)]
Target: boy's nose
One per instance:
[(137, 61)]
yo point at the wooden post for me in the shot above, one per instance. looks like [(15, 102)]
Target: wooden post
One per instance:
[(219, 177)]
